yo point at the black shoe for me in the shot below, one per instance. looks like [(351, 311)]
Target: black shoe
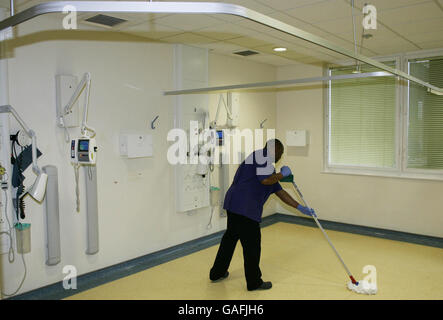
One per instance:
[(222, 277), (264, 286)]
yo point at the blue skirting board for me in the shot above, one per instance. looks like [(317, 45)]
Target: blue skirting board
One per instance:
[(96, 278)]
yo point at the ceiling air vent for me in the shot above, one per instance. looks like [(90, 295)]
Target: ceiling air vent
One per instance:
[(246, 53), (105, 20)]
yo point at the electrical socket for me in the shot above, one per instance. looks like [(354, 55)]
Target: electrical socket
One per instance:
[(2, 221), (2, 216), (4, 247), (4, 239)]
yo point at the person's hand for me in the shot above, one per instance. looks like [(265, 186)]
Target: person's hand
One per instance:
[(307, 211), (285, 171)]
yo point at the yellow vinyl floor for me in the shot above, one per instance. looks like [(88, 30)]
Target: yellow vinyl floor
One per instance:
[(300, 264)]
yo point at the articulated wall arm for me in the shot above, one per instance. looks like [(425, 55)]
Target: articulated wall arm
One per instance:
[(85, 84), (29, 132), (202, 8), (38, 188)]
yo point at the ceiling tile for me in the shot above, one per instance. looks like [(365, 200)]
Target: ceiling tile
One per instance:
[(324, 11), (288, 4), (132, 19), (410, 14), (252, 41), (285, 18), (427, 37), (380, 32), (271, 59), (252, 25), (383, 5), (268, 49), (188, 22), (21, 4), (319, 31), (254, 5), (310, 50), (310, 60), (289, 39), (136, 16), (151, 30), (420, 21), (388, 50), (431, 45), (188, 38), (224, 47), (224, 31), (340, 26), (418, 27), (283, 38), (378, 42), (250, 4)]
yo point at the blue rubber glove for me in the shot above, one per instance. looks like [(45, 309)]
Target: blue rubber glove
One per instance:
[(307, 211), (285, 171)]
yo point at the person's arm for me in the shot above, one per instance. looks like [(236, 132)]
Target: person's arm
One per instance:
[(272, 179), (286, 198), (276, 177)]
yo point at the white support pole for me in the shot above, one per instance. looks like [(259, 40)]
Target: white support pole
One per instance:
[(5, 151)]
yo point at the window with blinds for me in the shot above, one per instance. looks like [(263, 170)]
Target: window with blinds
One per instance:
[(362, 120), (425, 120)]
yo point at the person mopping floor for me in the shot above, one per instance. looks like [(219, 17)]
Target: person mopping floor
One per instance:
[(254, 181)]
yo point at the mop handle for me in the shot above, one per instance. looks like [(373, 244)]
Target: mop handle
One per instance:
[(326, 236)]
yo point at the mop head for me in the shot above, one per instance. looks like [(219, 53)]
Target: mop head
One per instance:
[(363, 287)]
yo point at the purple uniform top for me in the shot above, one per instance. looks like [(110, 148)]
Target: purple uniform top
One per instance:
[(247, 195)]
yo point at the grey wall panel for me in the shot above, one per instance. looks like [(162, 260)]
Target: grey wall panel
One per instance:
[(91, 209), (52, 216)]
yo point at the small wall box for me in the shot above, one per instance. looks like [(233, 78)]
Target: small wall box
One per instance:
[(297, 138), (134, 145)]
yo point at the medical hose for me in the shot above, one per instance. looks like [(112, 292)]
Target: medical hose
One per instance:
[(11, 250), (77, 190)]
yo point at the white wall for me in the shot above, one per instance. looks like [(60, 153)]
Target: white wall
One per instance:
[(255, 107), (135, 197), (391, 203)]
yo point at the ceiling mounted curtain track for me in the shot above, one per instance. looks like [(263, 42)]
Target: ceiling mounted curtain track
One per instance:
[(202, 8), (281, 83)]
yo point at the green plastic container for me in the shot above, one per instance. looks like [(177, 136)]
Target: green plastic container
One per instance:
[(23, 237)]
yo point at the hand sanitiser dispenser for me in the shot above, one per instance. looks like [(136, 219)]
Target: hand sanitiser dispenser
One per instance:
[(83, 151)]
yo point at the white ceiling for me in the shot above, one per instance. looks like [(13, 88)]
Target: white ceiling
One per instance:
[(403, 25)]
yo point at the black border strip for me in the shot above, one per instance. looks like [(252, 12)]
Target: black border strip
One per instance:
[(366, 231), (96, 278)]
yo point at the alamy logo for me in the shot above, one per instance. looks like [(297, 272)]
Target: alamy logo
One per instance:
[(201, 147), (70, 280), (70, 20), (370, 17), (370, 281)]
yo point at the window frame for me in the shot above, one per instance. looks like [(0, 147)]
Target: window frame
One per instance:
[(363, 170), (437, 173), (402, 125)]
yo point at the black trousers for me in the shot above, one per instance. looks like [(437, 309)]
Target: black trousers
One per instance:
[(248, 232)]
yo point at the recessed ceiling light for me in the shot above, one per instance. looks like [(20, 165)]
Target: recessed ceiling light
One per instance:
[(280, 49)]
